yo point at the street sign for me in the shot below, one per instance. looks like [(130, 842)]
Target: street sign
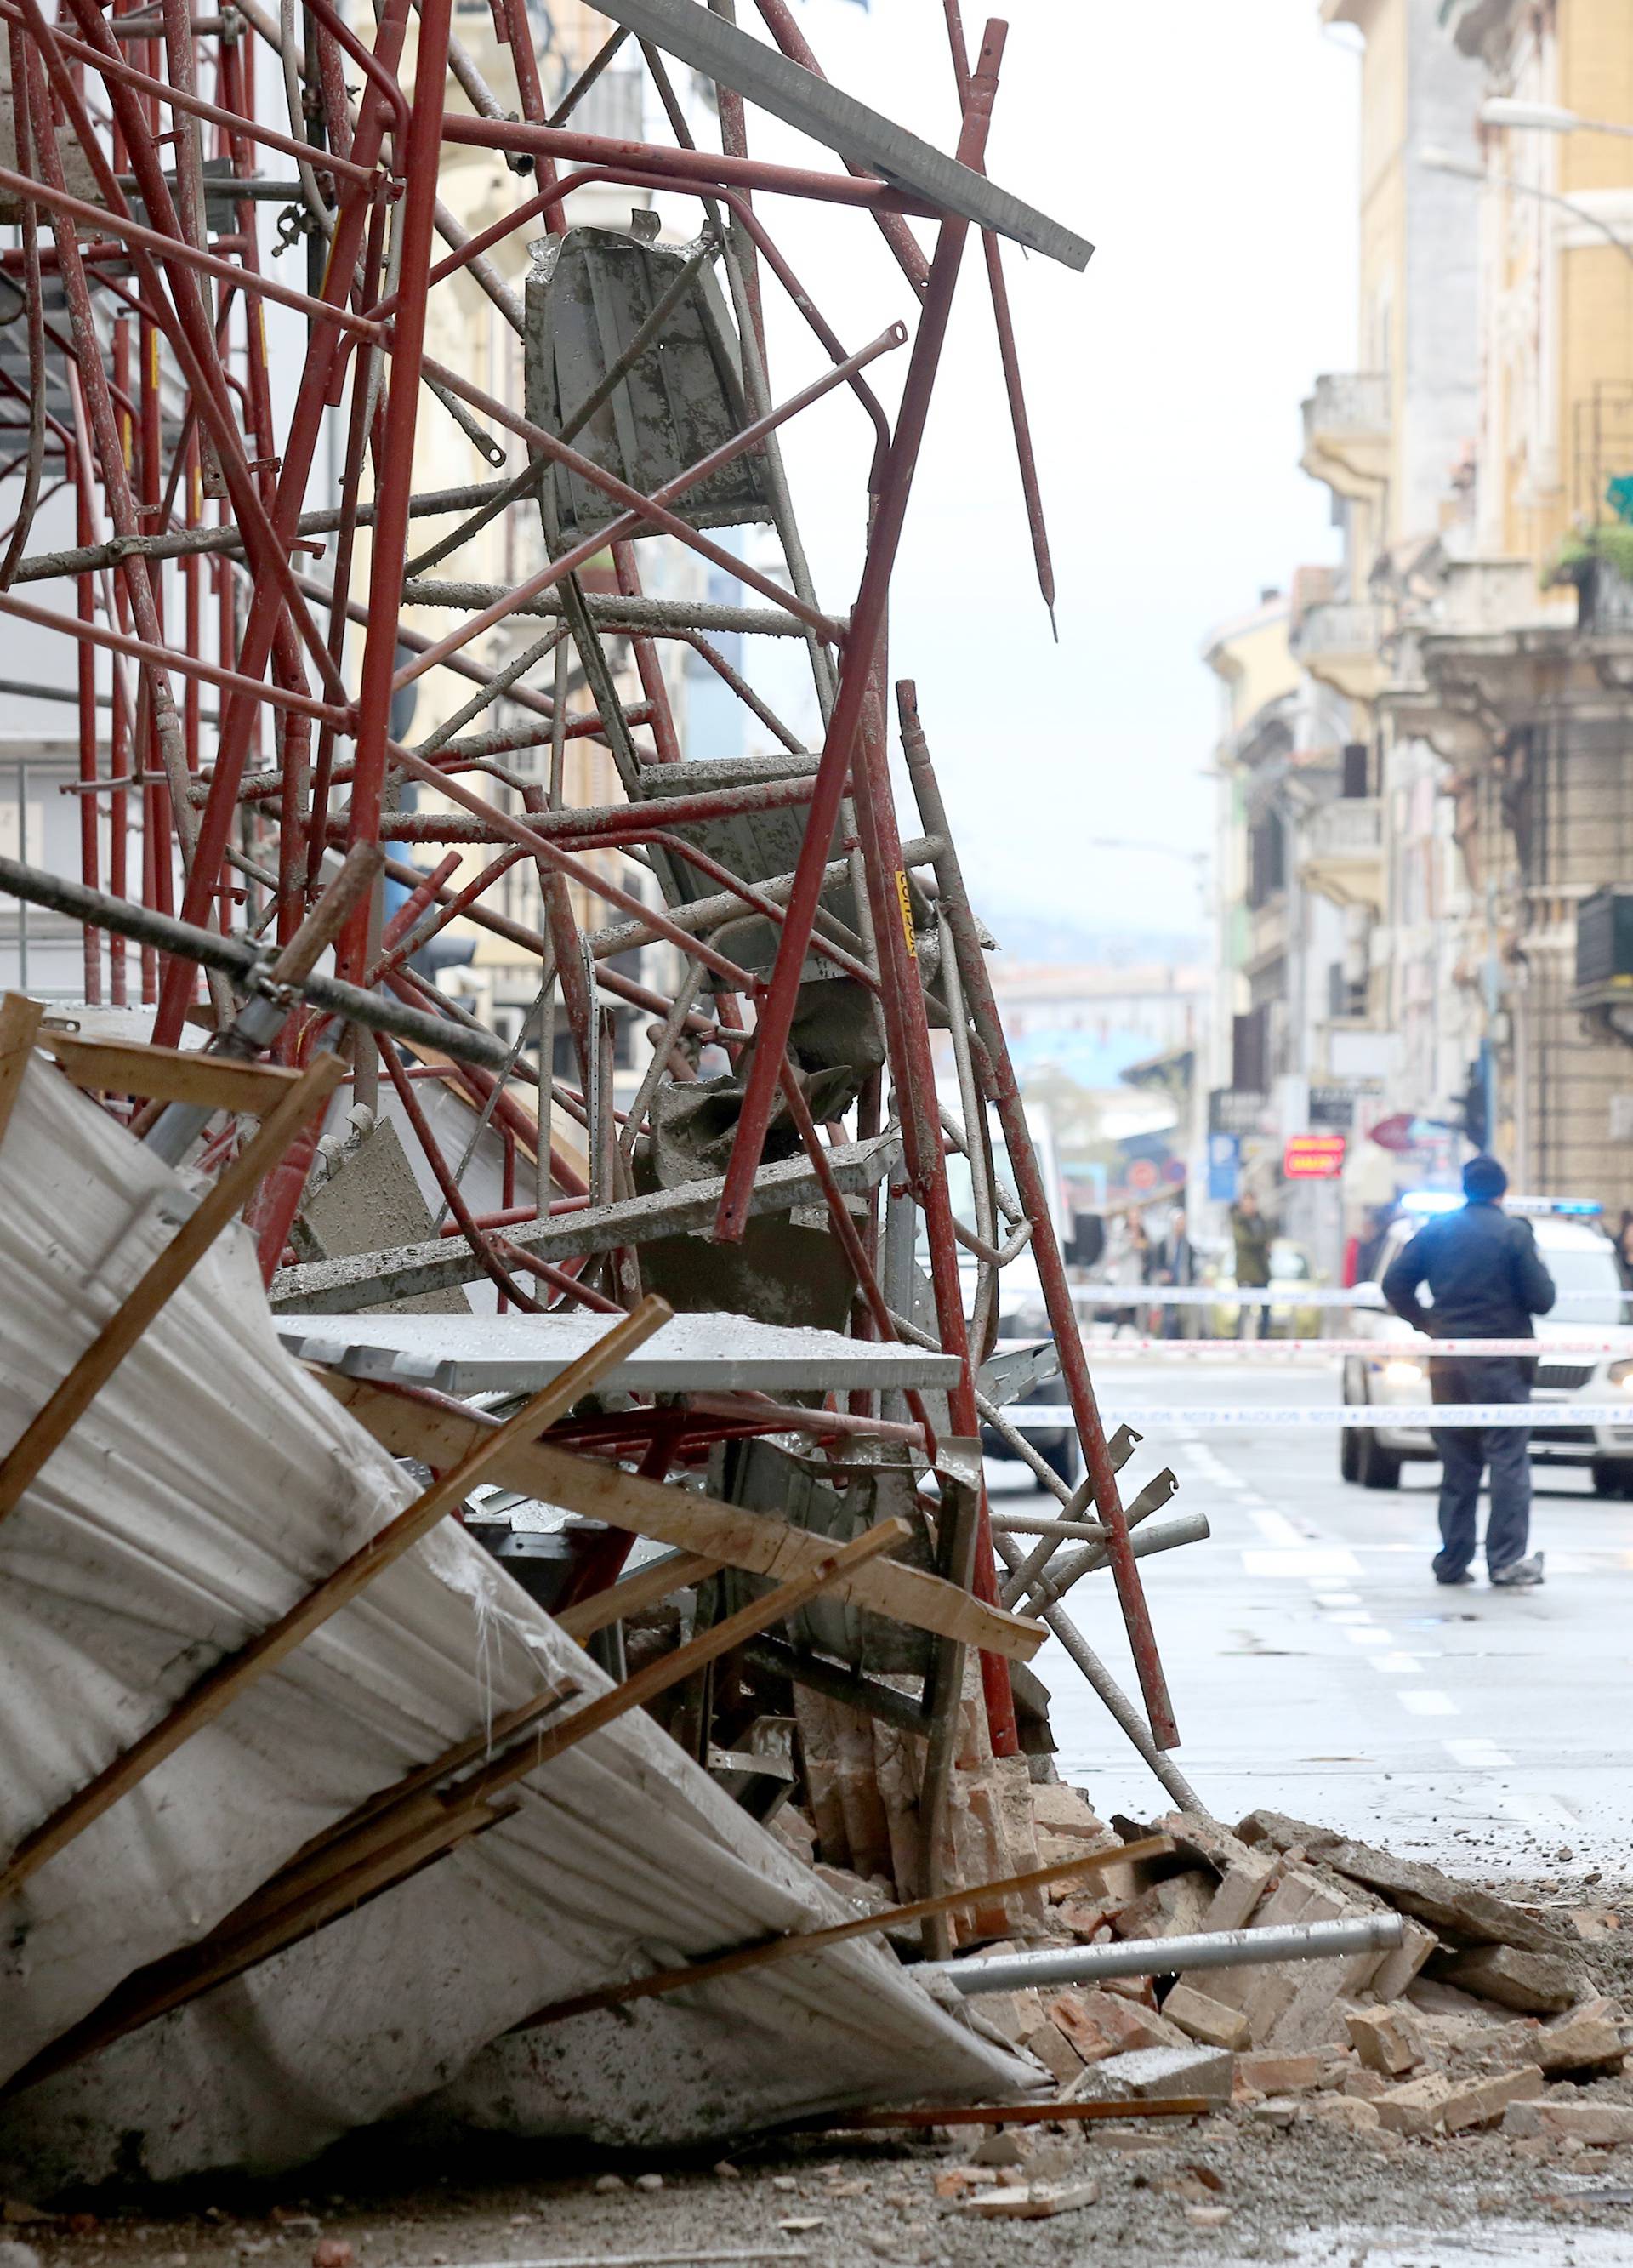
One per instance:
[(1225, 1160), (1333, 1108), (1313, 1157), (1405, 1132), (1395, 1133), (1174, 1173), (1233, 1111), (1142, 1174)]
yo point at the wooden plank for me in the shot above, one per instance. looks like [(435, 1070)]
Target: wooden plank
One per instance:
[(169, 1074), (224, 1200), (1019, 2114), (646, 1588), (753, 1541), (20, 1028), (817, 1940), (219, 1686)]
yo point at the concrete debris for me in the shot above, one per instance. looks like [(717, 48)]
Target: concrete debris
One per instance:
[(1468, 1914), (1033, 2201), (1152, 2071), (1538, 1983), (1602, 2125)]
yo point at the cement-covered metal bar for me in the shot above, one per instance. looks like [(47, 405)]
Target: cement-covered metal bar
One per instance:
[(237, 957), (1164, 1956)]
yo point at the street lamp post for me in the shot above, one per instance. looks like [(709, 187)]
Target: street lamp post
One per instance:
[(1546, 117), (1442, 161)]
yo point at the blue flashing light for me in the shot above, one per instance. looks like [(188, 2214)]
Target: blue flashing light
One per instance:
[(1430, 1201), (1565, 1208)]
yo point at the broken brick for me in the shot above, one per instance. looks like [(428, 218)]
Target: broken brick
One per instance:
[(1203, 2019), (1033, 2201), (1537, 1983), (1284, 2074), (1439, 2101), (1602, 2124), (1384, 2039)]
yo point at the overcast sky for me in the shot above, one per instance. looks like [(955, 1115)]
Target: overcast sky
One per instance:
[(1208, 148)]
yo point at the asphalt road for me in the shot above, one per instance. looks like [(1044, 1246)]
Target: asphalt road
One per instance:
[(1316, 1667)]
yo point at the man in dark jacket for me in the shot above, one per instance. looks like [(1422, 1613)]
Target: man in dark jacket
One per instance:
[(1487, 1282)]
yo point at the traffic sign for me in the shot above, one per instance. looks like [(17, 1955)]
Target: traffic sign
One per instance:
[(1395, 1133), (1225, 1160), (1142, 1174), (1313, 1157)]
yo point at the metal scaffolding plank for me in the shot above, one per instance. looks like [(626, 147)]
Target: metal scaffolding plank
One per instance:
[(815, 106)]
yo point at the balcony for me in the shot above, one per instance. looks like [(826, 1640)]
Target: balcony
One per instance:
[(1340, 642), (1342, 851), (1346, 432)]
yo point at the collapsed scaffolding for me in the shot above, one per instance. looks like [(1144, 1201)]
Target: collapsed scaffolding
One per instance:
[(244, 780)]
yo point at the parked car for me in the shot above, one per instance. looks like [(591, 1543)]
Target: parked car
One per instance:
[(1580, 1257), (1290, 1267)]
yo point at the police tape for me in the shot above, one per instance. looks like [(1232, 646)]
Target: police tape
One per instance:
[(1123, 1296), (1408, 1418), (1377, 1351)]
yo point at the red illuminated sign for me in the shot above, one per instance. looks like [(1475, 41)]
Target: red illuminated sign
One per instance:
[(1313, 1157)]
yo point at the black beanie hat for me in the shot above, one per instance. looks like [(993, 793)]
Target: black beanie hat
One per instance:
[(1483, 1180)]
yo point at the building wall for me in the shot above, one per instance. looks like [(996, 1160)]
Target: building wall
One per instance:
[(1559, 300)]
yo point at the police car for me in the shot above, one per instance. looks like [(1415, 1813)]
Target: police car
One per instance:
[(1578, 1256)]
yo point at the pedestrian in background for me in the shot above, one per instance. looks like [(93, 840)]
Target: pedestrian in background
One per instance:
[(1130, 1265), (1176, 1265), (1252, 1235), (1487, 1281)]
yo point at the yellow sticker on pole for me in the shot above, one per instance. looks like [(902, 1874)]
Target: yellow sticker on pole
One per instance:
[(905, 900)]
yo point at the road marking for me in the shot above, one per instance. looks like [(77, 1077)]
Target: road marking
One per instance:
[(1275, 1528), (1356, 1614), (1368, 1634), (1479, 1754), (1306, 1562), (1338, 1598), (1426, 1702), (1397, 1665), (1540, 1811)]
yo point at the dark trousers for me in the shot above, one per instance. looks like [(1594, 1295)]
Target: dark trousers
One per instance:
[(1247, 1325), (1465, 1451)]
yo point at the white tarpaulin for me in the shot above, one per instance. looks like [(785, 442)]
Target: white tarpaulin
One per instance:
[(211, 1485)]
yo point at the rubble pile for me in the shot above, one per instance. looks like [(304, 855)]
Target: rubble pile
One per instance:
[(1487, 2015)]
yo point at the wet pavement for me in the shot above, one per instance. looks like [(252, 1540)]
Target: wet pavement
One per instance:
[(1316, 1667)]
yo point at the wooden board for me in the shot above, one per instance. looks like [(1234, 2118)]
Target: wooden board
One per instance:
[(169, 1074), (753, 1541)]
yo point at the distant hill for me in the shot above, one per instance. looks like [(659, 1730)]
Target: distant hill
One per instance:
[(1025, 933)]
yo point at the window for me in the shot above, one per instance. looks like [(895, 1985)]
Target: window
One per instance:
[(1267, 859), (1250, 1051)]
